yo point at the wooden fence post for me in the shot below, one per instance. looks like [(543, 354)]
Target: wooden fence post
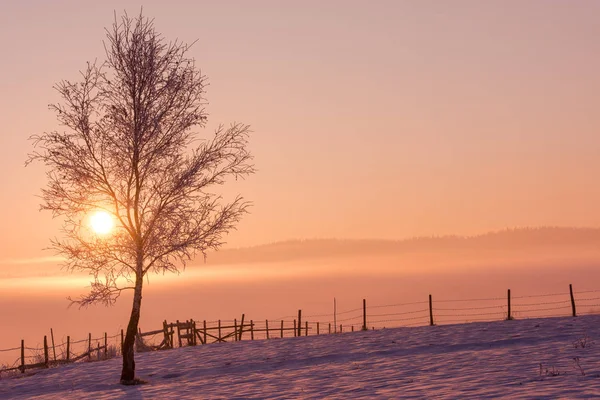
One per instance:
[(235, 332), (341, 329), (267, 328), (165, 334), (193, 332), (281, 328), (53, 348), (430, 311), (46, 351), (299, 323), (89, 346), (572, 300), (204, 334), (317, 328), (509, 314), (68, 348), (334, 315), (251, 330), (242, 326), (364, 327), (195, 337), (352, 328), (219, 330), (329, 328), (105, 346), (22, 356), (306, 329)]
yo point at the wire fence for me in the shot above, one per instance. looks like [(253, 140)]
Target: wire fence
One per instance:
[(420, 313), (379, 316), (51, 353)]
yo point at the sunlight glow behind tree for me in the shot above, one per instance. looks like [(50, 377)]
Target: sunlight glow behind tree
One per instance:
[(129, 126), (101, 222)]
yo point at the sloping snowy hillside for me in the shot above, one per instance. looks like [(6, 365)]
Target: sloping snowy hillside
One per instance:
[(535, 358)]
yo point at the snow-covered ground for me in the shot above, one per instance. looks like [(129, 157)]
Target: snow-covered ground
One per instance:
[(535, 358)]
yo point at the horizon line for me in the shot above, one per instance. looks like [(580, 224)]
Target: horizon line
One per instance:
[(54, 259)]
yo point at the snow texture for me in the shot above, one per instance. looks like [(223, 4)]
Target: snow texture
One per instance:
[(534, 358)]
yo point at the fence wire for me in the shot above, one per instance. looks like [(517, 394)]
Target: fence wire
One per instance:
[(13, 349), (378, 316)]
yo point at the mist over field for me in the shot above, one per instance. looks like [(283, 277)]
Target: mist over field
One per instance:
[(278, 279)]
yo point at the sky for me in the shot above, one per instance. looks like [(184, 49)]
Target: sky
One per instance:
[(371, 119)]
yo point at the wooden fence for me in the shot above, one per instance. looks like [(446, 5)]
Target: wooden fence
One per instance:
[(43, 359), (194, 332)]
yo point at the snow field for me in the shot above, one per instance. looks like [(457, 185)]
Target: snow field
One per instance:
[(478, 360)]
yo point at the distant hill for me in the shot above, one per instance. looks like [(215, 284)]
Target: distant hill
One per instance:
[(550, 238)]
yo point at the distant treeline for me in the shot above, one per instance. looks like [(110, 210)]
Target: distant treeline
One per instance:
[(509, 239)]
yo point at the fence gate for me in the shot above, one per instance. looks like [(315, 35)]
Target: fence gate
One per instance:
[(186, 331)]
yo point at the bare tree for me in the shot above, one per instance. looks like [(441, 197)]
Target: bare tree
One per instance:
[(129, 149)]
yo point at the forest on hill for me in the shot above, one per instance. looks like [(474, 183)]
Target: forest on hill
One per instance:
[(549, 239)]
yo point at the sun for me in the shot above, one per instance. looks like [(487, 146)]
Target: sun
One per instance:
[(101, 222)]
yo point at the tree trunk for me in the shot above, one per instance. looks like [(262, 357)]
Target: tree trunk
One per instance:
[(128, 372)]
